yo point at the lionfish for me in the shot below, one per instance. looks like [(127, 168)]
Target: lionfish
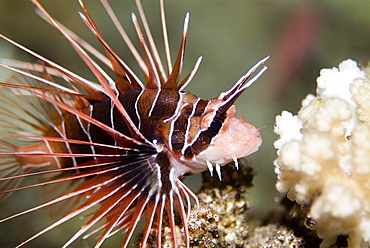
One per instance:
[(121, 146)]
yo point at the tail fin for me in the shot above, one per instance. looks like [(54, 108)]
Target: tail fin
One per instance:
[(9, 167), (10, 123), (21, 116)]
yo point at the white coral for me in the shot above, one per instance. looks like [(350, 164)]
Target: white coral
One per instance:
[(324, 155)]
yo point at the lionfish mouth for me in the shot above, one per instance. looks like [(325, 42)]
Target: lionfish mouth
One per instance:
[(106, 149)]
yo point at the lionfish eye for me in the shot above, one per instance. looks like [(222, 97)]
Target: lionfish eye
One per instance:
[(216, 125)]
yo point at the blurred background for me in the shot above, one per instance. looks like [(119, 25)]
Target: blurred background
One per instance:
[(301, 37)]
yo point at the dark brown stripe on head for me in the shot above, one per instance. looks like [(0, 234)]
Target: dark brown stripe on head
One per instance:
[(202, 142), (199, 111), (180, 127), (205, 137), (201, 106)]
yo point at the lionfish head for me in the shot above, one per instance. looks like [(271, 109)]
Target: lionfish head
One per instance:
[(234, 138), (222, 136)]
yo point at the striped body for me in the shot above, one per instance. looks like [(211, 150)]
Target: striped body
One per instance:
[(119, 144)]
